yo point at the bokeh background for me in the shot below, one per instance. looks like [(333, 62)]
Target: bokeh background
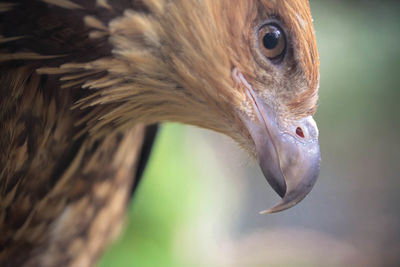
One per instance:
[(198, 203)]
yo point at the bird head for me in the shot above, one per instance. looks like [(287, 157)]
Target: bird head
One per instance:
[(248, 69)]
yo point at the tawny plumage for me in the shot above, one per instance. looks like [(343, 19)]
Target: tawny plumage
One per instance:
[(81, 81)]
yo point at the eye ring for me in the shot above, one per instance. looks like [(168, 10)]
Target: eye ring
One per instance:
[(272, 41)]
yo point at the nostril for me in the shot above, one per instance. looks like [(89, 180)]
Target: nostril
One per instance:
[(300, 132)]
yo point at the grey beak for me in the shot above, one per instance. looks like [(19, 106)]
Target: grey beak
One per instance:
[(289, 156)]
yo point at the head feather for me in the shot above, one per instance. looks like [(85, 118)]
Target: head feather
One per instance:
[(174, 63)]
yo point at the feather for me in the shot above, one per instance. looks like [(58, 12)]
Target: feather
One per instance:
[(81, 81)]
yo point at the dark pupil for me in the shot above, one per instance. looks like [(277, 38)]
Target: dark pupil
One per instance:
[(271, 39)]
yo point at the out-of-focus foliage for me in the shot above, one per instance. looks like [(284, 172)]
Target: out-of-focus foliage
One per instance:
[(160, 206), (197, 204)]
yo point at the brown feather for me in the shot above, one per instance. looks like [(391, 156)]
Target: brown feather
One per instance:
[(80, 79)]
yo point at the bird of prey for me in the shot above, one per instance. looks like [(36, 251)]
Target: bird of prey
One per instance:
[(83, 85)]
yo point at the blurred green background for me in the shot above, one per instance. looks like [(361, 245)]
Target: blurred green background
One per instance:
[(198, 203)]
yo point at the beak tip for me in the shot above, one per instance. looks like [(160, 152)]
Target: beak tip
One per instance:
[(281, 206), (265, 212)]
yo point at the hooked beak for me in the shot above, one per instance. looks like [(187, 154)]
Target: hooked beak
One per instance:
[(289, 156)]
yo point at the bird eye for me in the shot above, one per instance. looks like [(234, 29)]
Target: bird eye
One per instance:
[(272, 41)]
